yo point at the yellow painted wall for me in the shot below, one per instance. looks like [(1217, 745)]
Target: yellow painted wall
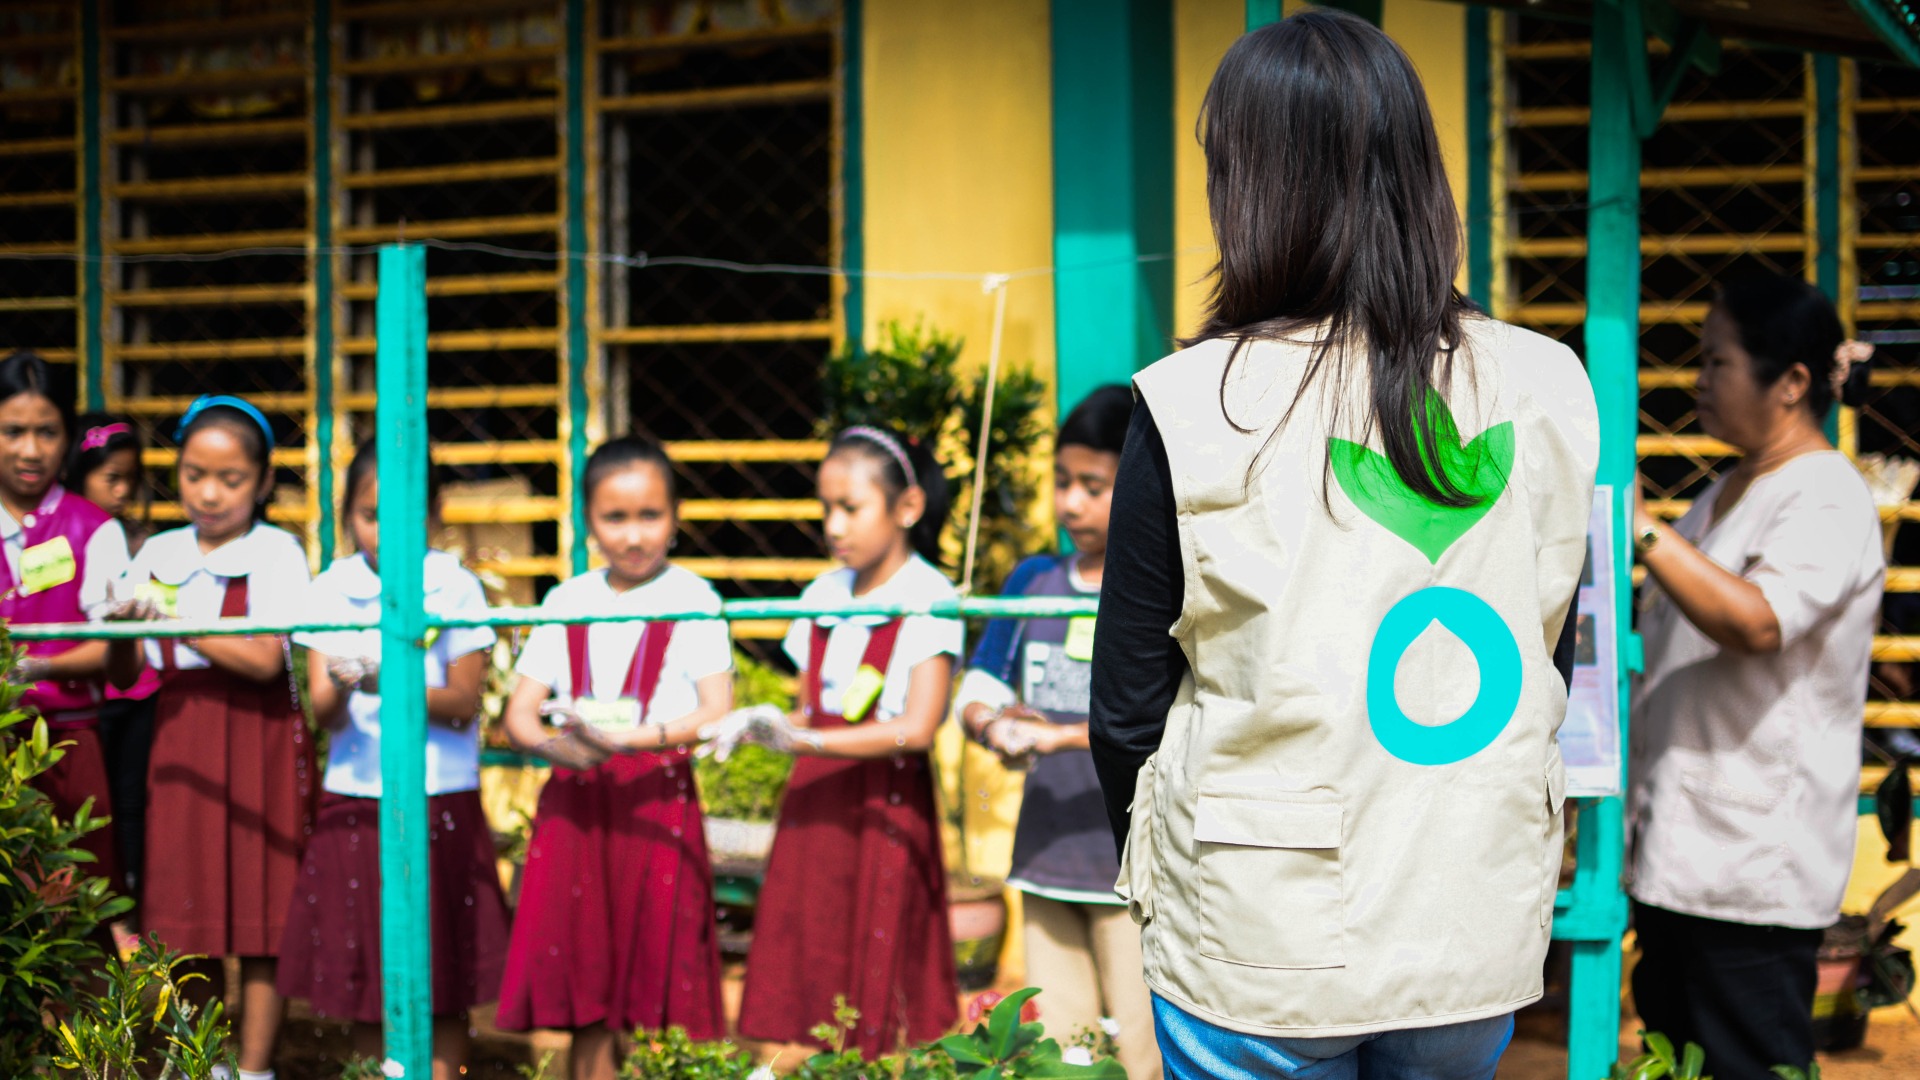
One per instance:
[(1435, 37), (958, 163)]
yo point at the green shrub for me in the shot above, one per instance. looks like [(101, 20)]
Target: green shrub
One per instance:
[(748, 785), (49, 907), (140, 1005), (672, 1055)]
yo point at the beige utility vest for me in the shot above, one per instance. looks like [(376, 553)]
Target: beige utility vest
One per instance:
[(1353, 822)]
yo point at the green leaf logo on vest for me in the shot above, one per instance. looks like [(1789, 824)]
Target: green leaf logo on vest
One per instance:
[(1480, 468)]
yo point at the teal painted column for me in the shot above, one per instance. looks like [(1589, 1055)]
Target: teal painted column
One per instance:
[(400, 318), (853, 173), (1262, 12), (577, 300), (1599, 912), (321, 92), (1112, 190), (93, 270), (1826, 191), (1479, 223)]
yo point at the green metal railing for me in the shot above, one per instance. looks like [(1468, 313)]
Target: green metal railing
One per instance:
[(405, 950)]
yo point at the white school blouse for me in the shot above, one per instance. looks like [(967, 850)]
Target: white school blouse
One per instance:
[(271, 560), (351, 589), (1744, 769), (921, 636), (700, 647)]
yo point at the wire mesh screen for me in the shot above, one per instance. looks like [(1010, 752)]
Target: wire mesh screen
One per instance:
[(451, 131), (39, 205), (1728, 190), (206, 141), (718, 140), (1886, 202)]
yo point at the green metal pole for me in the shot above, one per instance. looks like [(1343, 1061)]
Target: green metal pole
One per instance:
[(323, 313), (1112, 190), (1480, 223), (405, 946), (93, 271), (853, 173), (578, 406), (1826, 191), (1612, 348), (1262, 12)]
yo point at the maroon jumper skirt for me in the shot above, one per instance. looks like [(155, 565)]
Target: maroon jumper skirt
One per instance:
[(78, 776), (615, 924), (331, 953), (855, 898), (229, 808)]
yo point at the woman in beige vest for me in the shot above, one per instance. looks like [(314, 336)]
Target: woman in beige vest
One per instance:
[(1348, 524)]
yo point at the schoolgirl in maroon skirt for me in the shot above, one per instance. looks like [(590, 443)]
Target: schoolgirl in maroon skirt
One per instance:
[(231, 774), (103, 467), (60, 555), (615, 930), (855, 898), (331, 952)]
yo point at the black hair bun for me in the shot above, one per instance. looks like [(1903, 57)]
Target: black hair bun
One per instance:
[(1853, 391)]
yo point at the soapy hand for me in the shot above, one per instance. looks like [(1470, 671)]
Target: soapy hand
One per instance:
[(564, 715), (773, 730), (725, 735), (360, 673)]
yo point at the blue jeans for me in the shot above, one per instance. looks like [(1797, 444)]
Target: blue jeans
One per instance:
[(1196, 1050)]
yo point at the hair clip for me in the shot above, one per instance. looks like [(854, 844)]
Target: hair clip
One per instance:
[(97, 438)]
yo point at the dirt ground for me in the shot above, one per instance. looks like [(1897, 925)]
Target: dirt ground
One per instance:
[(314, 1049)]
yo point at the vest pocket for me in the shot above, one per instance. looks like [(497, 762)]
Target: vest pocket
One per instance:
[(1555, 843), (1135, 884), (1269, 882)]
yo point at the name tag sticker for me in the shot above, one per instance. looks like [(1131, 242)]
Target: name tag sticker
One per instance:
[(44, 566), (619, 714), (1080, 637), (861, 693), (164, 598)]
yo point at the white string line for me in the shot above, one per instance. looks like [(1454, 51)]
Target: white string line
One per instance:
[(642, 260)]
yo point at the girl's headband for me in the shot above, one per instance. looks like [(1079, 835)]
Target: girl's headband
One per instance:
[(207, 401), (888, 443), (98, 437)]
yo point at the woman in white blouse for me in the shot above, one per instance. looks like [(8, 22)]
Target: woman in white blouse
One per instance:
[(1758, 623)]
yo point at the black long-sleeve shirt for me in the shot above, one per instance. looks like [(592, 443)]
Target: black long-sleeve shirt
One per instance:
[(1137, 664)]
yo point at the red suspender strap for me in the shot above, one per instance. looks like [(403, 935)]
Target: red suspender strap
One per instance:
[(579, 664), (878, 655), (649, 661)]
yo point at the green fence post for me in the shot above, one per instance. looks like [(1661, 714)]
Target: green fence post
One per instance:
[(1262, 12), (577, 299), (1826, 192), (405, 945), (323, 313), (1480, 223), (1112, 190), (853, 174), (93, 271), (1613, 350)]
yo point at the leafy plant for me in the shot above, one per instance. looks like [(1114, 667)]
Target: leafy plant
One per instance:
[(748, 785), (1003, 1047), (1794, 1072), (910, 379), (1660, 1063), (672, 1055), (106, 1035), (49, 907)]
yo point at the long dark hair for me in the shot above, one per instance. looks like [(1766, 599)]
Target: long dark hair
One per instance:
[(1783, 321), (879, 445), (1331, 209)]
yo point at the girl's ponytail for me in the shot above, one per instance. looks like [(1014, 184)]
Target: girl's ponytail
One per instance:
[(925, 535)]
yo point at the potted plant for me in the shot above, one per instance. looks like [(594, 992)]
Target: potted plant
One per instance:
[(740, 797)]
